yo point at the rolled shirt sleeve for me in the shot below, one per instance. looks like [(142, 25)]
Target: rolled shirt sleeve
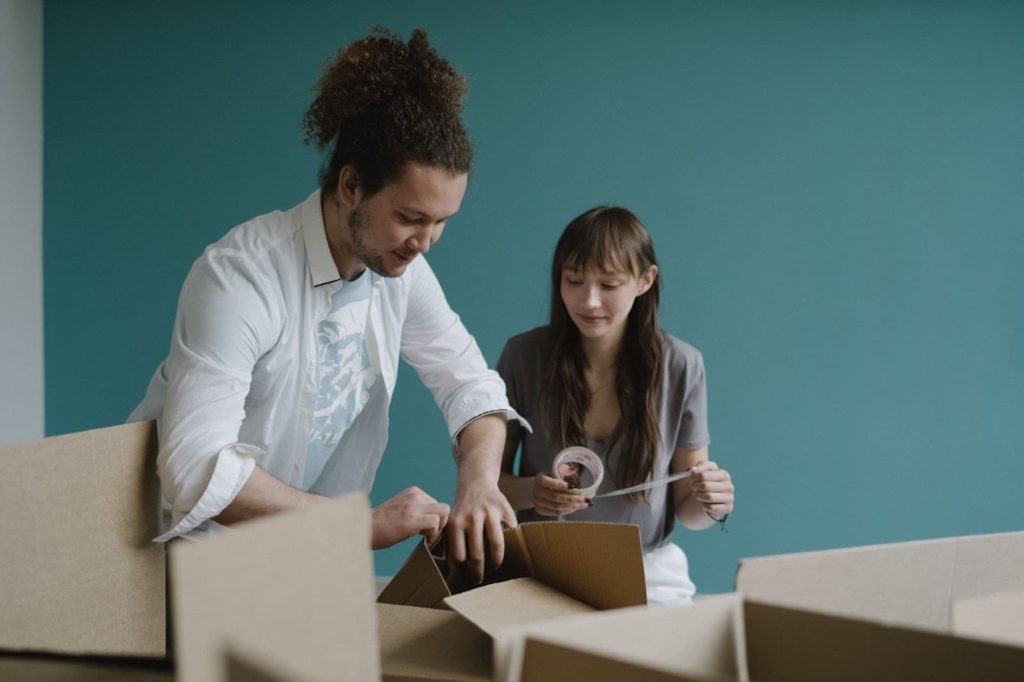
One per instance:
[(223, 325)]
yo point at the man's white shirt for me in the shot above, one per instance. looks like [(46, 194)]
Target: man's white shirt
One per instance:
[(240, 385)]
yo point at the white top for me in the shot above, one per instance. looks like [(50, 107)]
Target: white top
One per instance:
[(239, 386)]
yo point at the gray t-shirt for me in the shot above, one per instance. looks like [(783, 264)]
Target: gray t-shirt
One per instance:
[(682, 415)]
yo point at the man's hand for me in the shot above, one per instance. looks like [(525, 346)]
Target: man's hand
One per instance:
[(479, 506), (409, 512), (479, 509)]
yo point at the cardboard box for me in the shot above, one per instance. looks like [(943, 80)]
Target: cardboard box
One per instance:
[(911, 583), (289, 594), (997, 618), (79, 572), (551, 570), (727, 637), (600, 564), (431, 644)]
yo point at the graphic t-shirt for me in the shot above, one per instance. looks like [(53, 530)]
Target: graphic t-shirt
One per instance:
[(345, 373)]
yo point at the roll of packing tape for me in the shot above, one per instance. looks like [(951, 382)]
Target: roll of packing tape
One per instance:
[(585, 458)]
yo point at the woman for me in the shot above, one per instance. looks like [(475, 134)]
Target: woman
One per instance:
[(603, 374)]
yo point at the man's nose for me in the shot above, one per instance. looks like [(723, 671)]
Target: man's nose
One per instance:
[(421, 240)]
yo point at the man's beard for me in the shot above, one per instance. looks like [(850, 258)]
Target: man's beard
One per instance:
[(358, 226)]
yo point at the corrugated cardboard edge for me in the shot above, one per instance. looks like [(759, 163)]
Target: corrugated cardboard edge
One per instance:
[(995, 618), (81, 573), (296, 586)]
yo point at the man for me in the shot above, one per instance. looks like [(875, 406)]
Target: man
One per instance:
[(284, 353)]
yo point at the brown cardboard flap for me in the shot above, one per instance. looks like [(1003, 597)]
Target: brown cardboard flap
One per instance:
[(600, 564), (494, 608), (703, 640), (795, 645), (417, 583), (911, 583), (79, 573), (297, 587), (996, 618), (431, 644)]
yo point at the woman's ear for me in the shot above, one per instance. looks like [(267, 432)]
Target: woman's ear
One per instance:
[(648, 280)]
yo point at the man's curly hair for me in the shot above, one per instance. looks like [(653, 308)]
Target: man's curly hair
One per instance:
[(383, 103)]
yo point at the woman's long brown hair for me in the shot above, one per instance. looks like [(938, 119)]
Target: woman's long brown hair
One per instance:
[(608, 238)]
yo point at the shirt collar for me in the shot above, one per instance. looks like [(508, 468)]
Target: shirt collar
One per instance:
[(322, 269)]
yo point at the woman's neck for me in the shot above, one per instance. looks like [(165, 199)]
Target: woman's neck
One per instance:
[(601, 354)]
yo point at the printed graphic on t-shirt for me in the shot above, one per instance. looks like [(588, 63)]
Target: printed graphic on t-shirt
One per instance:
[(346, 373)]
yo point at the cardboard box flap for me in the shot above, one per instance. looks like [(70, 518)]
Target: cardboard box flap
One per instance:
[(496, 608), (703, 640), (431, 644), (995, 617), (600, 564), (79, 573), (297, 587), (909, 583), (794, 644), (549, 662), (417, 583)]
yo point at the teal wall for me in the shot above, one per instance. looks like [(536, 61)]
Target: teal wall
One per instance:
[(835, 189)]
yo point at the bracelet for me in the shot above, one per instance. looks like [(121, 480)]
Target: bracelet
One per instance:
[(720, 521)]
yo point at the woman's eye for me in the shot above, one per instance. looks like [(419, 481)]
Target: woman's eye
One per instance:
[(610, 285), (574, 282)]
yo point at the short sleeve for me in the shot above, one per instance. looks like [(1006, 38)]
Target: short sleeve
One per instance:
[(693, 427)]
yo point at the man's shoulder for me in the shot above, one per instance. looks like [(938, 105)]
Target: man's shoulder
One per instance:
[(263, 242)]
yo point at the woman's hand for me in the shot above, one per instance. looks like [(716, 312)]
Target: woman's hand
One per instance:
[(713, 488), (550, 497)]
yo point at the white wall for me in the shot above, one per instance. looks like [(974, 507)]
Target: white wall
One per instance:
[(21, 220)]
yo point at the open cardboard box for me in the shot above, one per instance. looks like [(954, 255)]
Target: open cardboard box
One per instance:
[(727, 637), (551, 570), (79, 572), (909, 583)]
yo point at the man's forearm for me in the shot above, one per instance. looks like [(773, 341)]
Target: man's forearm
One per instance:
[(263, 494), (481, 443)]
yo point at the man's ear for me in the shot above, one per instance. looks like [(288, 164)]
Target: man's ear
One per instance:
[(349, 188)]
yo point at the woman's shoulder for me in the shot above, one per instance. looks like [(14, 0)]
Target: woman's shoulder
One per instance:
[(680, 355)]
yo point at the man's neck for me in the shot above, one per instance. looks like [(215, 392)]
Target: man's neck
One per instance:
[(336, 227)]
